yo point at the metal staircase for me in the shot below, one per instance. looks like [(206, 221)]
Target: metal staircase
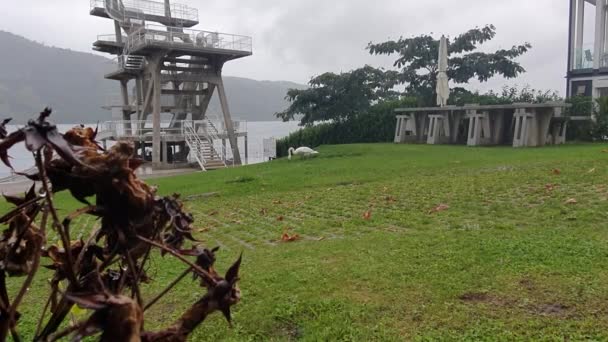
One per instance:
[(202, 149), (134, 62)]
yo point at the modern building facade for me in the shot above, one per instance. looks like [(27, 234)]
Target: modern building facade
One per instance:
[(588, 49)]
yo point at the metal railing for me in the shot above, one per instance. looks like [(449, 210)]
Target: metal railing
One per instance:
[(179, 37), (138, 9), (143, 128), (194, 143), (110, 38)]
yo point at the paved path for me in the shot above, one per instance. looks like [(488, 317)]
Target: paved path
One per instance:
[(22, 184)]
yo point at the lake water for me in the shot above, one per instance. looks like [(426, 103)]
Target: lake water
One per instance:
[(257, 132)]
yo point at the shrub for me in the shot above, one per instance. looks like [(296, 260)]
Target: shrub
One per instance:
[(376, 125), (587, 130)]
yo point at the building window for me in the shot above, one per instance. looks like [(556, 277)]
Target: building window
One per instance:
[(581, 90), (602, 92)]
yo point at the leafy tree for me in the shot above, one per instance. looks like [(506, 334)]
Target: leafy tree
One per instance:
[(418, 60), (339, 97)]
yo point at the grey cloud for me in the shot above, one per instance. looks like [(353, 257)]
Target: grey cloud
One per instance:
[(296, 39)]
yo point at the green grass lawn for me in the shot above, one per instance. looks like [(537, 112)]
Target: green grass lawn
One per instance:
[(509, 260)]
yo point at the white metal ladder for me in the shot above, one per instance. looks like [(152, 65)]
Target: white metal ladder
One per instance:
[(194, 143), (202, 149)]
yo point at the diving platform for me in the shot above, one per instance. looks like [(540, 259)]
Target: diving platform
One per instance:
[(146, 40), (165, 67), (138, 11)]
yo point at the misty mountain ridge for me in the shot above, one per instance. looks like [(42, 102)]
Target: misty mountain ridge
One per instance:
[(34, 75)]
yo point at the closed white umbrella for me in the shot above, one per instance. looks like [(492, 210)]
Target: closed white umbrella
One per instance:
[(443, 87)]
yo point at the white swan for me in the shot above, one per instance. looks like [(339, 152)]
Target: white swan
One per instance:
[(302, 151)]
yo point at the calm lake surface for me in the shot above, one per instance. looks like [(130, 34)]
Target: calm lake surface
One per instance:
[(257, 132)]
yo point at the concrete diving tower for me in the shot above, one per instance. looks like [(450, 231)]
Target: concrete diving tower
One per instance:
[(173, 69)]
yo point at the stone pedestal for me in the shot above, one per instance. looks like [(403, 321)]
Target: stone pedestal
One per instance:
[(557, 132), (439, 129), (479, 128), (524, 126)]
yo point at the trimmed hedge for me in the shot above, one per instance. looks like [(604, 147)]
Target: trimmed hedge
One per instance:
[(378, 125)]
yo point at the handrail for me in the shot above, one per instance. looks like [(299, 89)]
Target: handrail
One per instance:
[(177, 36), (110, 38), (237, 125), (194, 142), (197, 133), (136, 9)]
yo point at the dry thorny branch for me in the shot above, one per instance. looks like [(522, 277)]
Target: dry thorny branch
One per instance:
[(103, 273)]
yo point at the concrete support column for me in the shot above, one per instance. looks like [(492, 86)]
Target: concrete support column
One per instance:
[(438, 130), (561, 139), (229, 124), (156, 104), (523, 120), (118, 32), (430, 138), (543, 128), (246, 151), (474, 131), (400, 129), (486, 132), (600, 33), (138, 98)]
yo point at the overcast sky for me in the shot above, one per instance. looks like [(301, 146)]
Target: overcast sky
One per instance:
[(297, 39)]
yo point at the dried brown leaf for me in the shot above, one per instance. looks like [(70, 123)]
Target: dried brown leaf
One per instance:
[(3, 131), (439, 208), (286, 237), (550, 187)]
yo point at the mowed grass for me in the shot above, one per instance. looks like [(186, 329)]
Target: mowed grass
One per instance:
[(509, 260)]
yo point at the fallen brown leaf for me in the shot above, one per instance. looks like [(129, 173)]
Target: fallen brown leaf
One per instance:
[(550, 187), (367, 215), (286, 237), (263, 211), (280, 218), (572, 201), (556, 171), (439, 208)]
